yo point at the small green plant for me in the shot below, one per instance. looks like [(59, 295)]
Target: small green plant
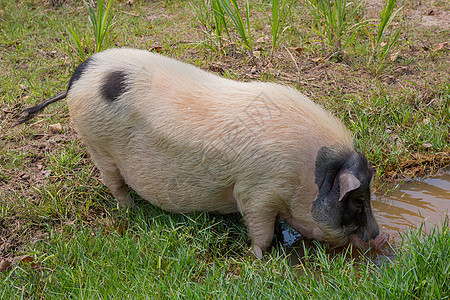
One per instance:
[(203, 13), (212, 16), (220, 24), (101, 26), (278, 13), (383, 44), (232, 10), (331, 21), (218, 16)]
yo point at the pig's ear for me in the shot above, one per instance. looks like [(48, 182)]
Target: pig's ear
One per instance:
[(347, 183)]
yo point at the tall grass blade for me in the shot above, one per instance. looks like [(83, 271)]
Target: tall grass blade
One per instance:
[(220, 23), (379, 50), (247, 15), (332, 21), (231, 8), (211, 15), (105, 25), (100, 24), (77, 41), (278, 14)]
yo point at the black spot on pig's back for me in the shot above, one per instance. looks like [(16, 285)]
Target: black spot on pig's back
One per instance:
[(78, 72), (114, 85)]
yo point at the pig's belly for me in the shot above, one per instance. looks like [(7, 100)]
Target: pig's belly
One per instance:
[(175, 186)]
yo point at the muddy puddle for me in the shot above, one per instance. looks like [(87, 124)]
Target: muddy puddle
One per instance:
[(413, 203), (409, 205)]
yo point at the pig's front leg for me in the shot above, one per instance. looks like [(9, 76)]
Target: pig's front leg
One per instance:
[(260, 224)]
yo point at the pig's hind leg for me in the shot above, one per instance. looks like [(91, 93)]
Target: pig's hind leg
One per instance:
[(111, 176)]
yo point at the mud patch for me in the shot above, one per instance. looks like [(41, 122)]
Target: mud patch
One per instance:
[(24, 170), (34, 172), (15, 235)]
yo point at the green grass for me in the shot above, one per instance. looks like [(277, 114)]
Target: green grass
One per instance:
[(232, 10), (92, 250), (334, 21), (279, 11), (383, 120), (173, 256), (100, 24)]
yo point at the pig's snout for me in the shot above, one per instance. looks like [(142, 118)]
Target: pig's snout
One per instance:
[(366, 237), (378, 242)]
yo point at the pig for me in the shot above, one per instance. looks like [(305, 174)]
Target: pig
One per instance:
[(188, 140)]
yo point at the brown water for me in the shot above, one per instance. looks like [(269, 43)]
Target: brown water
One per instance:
[(409, 205), (412, 204)]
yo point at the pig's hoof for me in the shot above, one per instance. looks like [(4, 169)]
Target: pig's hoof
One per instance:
[(257, 252), (126, 203)]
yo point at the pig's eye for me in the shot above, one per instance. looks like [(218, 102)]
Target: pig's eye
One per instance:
[(358, 204), (353, 212)]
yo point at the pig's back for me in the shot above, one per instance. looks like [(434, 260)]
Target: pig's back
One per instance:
[(183, 137)]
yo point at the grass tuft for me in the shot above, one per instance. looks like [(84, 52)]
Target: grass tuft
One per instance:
[(383, 44), (101, 26), (331, 21), (232, 10), (279, 11)]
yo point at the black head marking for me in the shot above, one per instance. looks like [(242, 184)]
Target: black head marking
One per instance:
[(332, 162), (339, 168), (78, 72), (328, 163), (114, 85)]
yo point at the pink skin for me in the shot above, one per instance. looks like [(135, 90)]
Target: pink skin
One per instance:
[(377, 243)]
